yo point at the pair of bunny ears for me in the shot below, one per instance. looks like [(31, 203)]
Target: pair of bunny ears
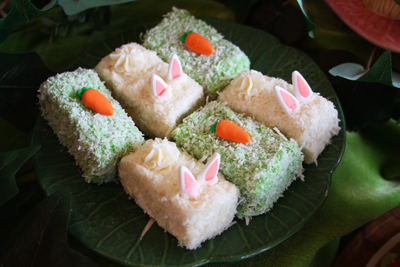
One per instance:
[(189, 186), (158, 86), (301, 89)]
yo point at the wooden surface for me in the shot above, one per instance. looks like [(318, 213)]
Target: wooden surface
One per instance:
[(370, 238)]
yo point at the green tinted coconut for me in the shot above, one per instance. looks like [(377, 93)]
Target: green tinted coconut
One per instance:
[(262, 169), (213, 71)]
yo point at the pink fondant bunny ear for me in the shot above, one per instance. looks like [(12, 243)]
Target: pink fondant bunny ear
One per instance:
[(174, 68), (287, 101), (302, 90), (158, 86), (210, 170), (188, 185)]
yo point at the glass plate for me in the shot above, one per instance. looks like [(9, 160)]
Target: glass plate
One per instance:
[(105, 220)]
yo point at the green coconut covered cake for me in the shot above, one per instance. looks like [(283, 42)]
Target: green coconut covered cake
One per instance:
[(96, 141), (263, 168), (212, 71)]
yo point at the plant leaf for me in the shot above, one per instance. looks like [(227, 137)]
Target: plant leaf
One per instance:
[(241, 8), (350, 71), (10, 162), (21, 12), (381, 72), (72, 7), (310, 25), (10, 218), (41, 238), (20, 78)]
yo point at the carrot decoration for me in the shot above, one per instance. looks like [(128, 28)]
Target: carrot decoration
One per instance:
[(197, 43), (230, 131), (96, 101)]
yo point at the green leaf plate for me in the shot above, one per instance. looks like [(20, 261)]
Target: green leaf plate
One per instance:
[(105, 220)]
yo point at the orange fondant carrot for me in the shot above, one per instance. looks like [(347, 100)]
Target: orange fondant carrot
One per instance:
[(96, 101), (230, 131), (197, 43)]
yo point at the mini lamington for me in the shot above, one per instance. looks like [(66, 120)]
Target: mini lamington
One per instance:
[(260, 161), (155, 94), (300, 114), (212, 70), (161, 179), (96, 141)]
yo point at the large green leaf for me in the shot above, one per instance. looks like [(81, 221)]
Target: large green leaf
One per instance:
[(241, 8), (20, 79), (107, 222), (72, 7), (41, 238), (10, 162), (21, 12)]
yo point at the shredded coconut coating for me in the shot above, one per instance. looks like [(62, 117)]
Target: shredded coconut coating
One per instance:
[(262, 169), (156, 191), (132, 88), (213, 71), (97, 142), (312, 125)]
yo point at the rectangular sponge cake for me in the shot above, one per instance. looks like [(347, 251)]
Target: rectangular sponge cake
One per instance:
[(150, 176), (127, 72), (214, 71), (312, 125), (96, 141), (262, 168)]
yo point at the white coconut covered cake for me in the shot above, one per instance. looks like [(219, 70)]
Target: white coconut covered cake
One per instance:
[(312, 121), (132, 71), (189, 207)]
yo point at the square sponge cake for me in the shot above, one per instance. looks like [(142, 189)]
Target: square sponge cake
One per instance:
[(129, 73), (150, 176), (213, 71), (262, 168), (96, 141)]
